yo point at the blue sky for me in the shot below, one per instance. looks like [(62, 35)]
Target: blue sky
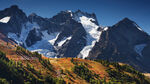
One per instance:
[(108, 12)]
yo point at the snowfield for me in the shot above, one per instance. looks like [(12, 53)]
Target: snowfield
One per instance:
[(46, 45)]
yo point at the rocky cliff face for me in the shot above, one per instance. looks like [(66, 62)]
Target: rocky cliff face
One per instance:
[(123, 42), (16, 17)]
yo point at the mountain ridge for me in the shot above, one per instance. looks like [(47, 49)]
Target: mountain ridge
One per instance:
[(124, 42), (78, 34)]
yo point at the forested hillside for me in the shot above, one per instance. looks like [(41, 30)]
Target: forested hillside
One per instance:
[(32, 68)]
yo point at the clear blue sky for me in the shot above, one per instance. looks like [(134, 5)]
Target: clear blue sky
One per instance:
[(108, 12)]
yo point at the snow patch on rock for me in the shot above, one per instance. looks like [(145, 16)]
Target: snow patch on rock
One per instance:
[(51, 38), (5, 19), (139, 48), (64, 40), (137, 27), (105, 28)]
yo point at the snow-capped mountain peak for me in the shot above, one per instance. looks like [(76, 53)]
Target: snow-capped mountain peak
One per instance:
[(76, 34), (90, 24)]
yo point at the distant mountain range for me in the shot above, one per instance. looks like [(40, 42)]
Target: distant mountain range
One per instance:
[(77, 34)]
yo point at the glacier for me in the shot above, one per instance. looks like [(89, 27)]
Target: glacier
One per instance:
[(46, 45)]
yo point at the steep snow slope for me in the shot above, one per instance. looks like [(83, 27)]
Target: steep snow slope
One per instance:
[(92, 32)]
